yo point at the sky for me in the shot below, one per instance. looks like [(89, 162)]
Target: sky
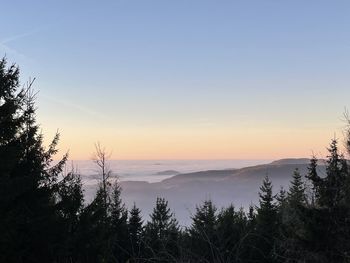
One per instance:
[(184, 79)]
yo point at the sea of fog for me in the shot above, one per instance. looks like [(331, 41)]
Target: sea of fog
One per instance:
[(181, 201), (155, 170)]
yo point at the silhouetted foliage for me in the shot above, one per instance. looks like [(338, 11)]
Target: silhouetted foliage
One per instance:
[(28, 182), (135, 228), (70, 202), (43, 217), (266, 223), (119, 226), (232, 226), (203, 232), (161, 233)]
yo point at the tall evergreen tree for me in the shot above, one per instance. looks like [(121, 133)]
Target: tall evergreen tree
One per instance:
[(251, 217), (315, 179), (203, 232), (94, 233), (333, 191), (333, 201), (326, 221), (347, 147), (267, 223), (281, 198), (292, 233), (231, 229), (296, 193), (28, 181), (70, 202), (161, 233), (135, 233), (119, 228)]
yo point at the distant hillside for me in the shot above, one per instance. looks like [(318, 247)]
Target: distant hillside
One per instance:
[(291, 161), (168, 172), (279, 170), (202, 175), (237, 186)]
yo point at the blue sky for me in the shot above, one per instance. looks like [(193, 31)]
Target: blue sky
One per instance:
[(208, 79)]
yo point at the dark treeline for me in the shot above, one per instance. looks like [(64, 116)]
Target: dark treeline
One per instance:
[(43, 217)]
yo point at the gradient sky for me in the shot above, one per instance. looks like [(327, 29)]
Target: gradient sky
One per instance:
[(185, 79)]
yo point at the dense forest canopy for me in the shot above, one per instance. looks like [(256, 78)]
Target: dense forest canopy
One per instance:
[(43, 216)]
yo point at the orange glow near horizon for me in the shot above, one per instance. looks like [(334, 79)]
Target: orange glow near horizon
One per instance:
[(197, 144)]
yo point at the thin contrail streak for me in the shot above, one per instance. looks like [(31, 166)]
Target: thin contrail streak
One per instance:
[(7, 49), (76, 106), (23, 35)]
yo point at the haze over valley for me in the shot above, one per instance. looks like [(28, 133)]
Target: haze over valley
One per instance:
[(143, 181), (193, 131)]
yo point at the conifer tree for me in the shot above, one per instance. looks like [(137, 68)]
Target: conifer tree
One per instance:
[(231, 228), (296, 193), (135, 233), (203, 232), (119, 228), (334, 210), (161, 233), (315, 181), (70, 202), (266, 223), (281, 198), (292, 232), (281, 206), (28, 181), (326, 228), (251, 217), (267, 209), (95, 232), (333, 191), (347, 147)]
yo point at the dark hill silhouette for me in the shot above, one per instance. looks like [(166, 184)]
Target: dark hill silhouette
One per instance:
[(237, 186), (291, 161), (168, 172)]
